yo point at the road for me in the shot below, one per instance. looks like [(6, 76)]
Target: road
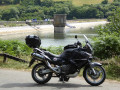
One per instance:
[(21, 80)]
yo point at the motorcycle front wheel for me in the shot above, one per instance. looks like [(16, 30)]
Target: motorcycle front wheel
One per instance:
[(94, 79), (38, 76)]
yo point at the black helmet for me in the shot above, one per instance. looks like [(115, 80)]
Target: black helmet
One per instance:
[(33, 41)]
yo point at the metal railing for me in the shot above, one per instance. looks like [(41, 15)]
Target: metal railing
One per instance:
[(5, 56)]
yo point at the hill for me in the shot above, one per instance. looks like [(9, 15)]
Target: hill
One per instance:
[(42, 9), (74, 2)]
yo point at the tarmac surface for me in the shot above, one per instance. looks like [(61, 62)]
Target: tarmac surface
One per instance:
[(21, 80)]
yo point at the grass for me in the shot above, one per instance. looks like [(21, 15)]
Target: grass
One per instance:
[(113, 68), (15, 48), (13, 25), (3, 7), (82, 2), (86, 20), (11, 64)]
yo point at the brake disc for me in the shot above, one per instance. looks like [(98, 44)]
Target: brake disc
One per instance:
[(95, 76)]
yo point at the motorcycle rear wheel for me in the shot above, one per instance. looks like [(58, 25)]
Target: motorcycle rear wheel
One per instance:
[(38, 76), (92, 79)]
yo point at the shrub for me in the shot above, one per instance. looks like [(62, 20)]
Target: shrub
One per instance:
[(113, 68), (108, 42), (107, 46), (55, 50), (104, 2), (12, 19), (15, 48)]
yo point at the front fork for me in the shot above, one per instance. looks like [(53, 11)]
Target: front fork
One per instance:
[(92, 65), (93, 70)]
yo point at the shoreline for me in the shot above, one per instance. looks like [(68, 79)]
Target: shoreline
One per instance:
[(48, 28)]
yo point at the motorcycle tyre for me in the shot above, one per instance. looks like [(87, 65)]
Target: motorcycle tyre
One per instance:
[(93, 84), (38, 81)]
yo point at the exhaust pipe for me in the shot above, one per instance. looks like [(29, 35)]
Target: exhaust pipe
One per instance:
[(38, 56), (44, 58)]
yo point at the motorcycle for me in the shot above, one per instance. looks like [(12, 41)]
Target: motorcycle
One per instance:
[(66, 65)]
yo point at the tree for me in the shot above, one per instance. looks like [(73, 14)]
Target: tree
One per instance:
[(47, 3), (6, 15), (0, 2), (63, 10), (37, 2), (27, 2), (10, 13), (116, 0), (0, 14), (14, 12), (114, 26), (7, 1), (104, 2), (107, 43), (100, 14), (92, 12), (16, 1)]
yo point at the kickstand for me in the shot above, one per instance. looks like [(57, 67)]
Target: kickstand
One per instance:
[(62, 79)]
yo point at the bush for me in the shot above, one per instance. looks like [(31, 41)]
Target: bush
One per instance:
[(15, 48), (104, 2), (108, 42), (12, 19), (107, 46), (55, 50), (113, 68), (114, 25)]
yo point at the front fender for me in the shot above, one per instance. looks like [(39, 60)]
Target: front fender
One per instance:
[(92, 64)]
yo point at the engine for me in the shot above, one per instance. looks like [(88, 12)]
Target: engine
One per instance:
[(68, 69)]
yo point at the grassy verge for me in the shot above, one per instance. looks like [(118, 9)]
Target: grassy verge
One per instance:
[(11, 64), (113, 68)]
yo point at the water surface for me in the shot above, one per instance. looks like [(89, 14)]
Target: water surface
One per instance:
[(57, 39)]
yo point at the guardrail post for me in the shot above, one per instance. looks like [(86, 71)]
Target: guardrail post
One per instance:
[(5, 58)]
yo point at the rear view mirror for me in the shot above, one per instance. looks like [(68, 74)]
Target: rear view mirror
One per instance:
[(76, 36)]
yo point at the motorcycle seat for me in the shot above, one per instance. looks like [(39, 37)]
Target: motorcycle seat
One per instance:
[(51, 55), (56, 59)]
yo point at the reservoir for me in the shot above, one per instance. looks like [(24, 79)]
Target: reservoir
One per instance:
[(47, 35)]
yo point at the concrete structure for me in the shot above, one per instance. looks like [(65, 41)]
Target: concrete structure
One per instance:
[(59, 24)]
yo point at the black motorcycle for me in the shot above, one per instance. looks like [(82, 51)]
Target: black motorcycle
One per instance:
[(67, 65)]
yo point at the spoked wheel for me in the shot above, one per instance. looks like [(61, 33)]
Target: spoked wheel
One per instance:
[(94, 79), (38, 76)]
